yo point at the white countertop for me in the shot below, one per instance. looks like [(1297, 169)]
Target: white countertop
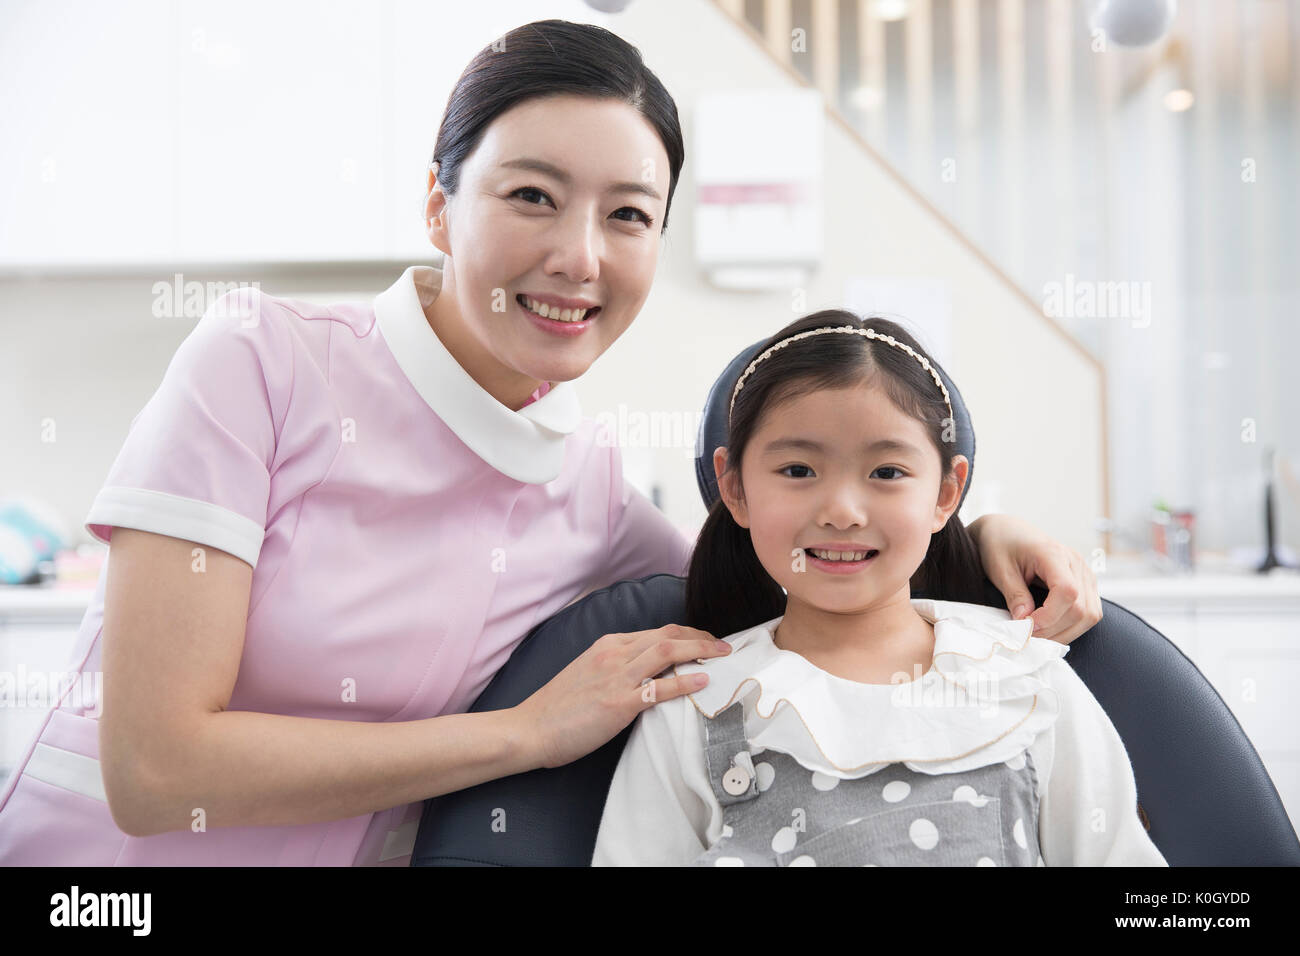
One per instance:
[(43, 601), (1214, 583), (1126, 579)]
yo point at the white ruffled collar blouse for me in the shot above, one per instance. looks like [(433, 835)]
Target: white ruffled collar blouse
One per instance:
[(985, 698)]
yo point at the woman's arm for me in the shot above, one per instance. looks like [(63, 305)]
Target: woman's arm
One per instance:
[(172, 642), (1015, 553)]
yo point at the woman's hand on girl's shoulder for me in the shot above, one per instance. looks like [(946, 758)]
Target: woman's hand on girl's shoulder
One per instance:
[(586, 705), (1015, 553)]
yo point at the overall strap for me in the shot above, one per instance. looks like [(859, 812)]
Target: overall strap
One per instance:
[(726, 754)]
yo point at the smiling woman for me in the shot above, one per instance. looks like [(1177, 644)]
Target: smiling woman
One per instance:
[(551, 204), (383, 498), (562, 198)]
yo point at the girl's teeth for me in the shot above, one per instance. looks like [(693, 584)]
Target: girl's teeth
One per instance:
[(553, 312), (840, 555)]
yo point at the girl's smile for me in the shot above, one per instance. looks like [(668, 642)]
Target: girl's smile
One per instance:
[(840, 566)]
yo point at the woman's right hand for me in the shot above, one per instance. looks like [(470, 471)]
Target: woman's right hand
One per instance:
[(585, 705)]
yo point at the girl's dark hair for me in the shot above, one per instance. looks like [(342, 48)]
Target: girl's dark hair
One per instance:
[(550, 58), (727, 589)]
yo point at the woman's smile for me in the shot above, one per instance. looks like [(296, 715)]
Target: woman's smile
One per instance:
[(557, 326)]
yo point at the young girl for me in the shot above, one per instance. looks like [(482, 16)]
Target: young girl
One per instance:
[(852, 724)]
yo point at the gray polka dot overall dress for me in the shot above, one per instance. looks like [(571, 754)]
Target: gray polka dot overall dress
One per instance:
[(778, 813)]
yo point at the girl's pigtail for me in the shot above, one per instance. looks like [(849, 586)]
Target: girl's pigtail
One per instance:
[(727, 589), (952, 570)]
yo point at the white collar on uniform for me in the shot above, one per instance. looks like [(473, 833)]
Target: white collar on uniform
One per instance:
[(984, 700), (527, 445)]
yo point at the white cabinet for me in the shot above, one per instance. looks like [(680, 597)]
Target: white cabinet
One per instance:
[(279, 131), (153, 132), (86, 118), (156, 132), (38, 633)]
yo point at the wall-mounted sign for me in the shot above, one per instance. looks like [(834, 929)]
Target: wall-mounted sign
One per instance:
[(758, 187)]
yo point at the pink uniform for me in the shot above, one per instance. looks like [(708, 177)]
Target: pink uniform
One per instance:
[(406, 531)]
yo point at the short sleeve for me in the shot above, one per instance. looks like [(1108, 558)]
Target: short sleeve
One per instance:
[(660, 810), (196, 462), (642, 540), (1088, 811)]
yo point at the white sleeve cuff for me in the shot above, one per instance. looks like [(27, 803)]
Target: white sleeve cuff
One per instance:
[(176, 517)]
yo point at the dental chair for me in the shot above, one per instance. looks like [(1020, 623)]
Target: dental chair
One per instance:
[(1206, 797)]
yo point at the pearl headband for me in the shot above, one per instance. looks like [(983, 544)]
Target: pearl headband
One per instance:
[(869, 333)]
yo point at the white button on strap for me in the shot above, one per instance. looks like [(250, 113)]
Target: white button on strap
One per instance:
[(737, 779)]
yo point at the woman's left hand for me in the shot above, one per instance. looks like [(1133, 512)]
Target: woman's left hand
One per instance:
[(1015, 553)]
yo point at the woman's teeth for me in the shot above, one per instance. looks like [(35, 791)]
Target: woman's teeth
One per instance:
[(840, 555), (551, 312)]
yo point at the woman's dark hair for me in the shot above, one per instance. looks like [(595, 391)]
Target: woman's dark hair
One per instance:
[(727, 589), (551, 58)]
